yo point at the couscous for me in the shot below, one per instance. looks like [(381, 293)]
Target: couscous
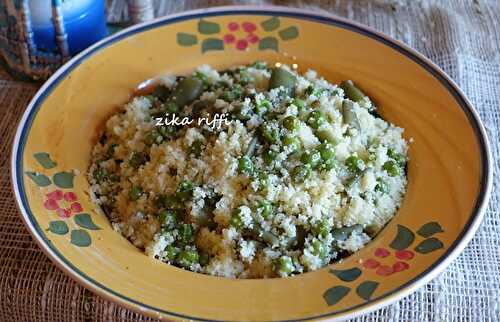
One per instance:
[(297, 174)]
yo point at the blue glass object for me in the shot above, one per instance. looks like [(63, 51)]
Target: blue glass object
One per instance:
[(84, 23)]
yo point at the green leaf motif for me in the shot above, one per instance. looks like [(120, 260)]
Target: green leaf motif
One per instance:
[(347, 275), (404, 238), (429, 245), (430, 229), (207, 27), (186, 40), (270, 24), (44, 159), (333, 295), (268, 43), (366, 289), (58, 227), (38, 178), (64, 179), (212, 44), (85, 221), (289, 33), (80, 238)]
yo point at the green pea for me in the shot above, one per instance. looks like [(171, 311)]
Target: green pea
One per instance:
[(232, 94), (351, 91), (263, 180), (316, 119), (269, 132), (269, 157), (282, 77), (100, 174), (299, 103), (292, 143), (186, 91), (285, 265), (167, 218), (312, 158), (154, 136), (204, 259), (398, 157), (392, 168), (186, 233), (235, 220), (322, 228), (170, 108), (259, 65), (319, 249), (291, 123), (382, 186), (329, 164), (167, 131), (301, 173), (262, 107), (184, 190), (245, 77), (245, 165), (265, 208), (196, 148), (171, 252), (354, 164), (187, 258), (327, 151), (137, 159), (201, 76), (135, 193)]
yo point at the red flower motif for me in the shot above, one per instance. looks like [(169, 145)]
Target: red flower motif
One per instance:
[(241, 44), (63, 213), (371, 263), (405, 254), (249, 26), (76, 207), (51, 204), (382, 252), (384, 270), (252, 38), (400, 266), (229, 39), (70, 196), (55, 195), (233, 26)]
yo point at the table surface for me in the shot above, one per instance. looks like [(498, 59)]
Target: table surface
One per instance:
[(461, 36)]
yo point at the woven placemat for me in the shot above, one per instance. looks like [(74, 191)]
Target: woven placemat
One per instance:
[(462, 37)]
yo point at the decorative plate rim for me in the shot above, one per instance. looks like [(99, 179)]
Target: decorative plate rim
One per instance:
[(431, 272)]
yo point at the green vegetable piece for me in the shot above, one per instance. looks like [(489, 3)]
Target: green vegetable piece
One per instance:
[(269, 157), (270, 238), (186, 91), (319, 249), (187, 258), (299, 103), (137, 159), (349, 115), (292, 142), (196, 148), (186, 233), (265, 208), (282, 77), (312, 158), (268, 132), (184, 190), (233, 94), (322, 229), (392, 168), (354, 164), (301, 173), (110, 152), (171, 252), (316, 119), (100, 174), (167, 218), (262, 107), (204, 259), (259, 65), (382, 186), (153, 137), (398, 157), (327, 151), (351, 91), (135, 193), (291, 123), (245, 165), (329, 164), (285, 266), (235, 220)]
